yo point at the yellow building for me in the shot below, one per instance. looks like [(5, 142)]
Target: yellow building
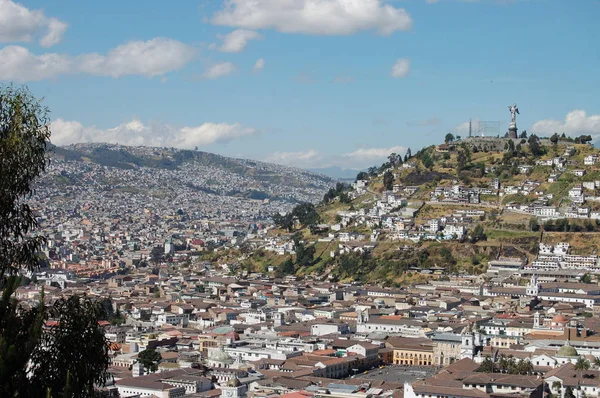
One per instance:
[(414, 355)]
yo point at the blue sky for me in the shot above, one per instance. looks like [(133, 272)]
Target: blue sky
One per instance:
[(310, 83)]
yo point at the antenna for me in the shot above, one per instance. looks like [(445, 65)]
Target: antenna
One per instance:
[(470, 128)]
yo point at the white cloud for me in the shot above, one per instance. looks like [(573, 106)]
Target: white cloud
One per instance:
[(315, 17), (136, 133), (463, 128), (18, 23), (154, 57), (356, 160), (576, 122), (219, 70), (299, 159), (401, 68), (18, 63), (237, 40), (146, 58), (259, 65), (363, 155)]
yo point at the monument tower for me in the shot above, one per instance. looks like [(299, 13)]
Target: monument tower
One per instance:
[(512, 127)]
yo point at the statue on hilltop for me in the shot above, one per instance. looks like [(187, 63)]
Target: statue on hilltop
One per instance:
[(514, 111)]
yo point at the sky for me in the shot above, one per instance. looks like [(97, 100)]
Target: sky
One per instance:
[(306, 83)]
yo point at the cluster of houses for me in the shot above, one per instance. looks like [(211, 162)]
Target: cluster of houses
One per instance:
[(228, 337)]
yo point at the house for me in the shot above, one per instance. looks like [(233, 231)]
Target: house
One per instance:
[(590, 160)]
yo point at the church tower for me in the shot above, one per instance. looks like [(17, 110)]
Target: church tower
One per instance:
[(536, 320), (467, 347), (234, 389), (533, 288)]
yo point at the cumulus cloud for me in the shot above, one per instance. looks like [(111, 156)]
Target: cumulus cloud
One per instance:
[(299, 159), (237, 40), (135, 132), (146, 58), (401, 68), (363, 155), (219, 70), (20, 24), (576, 122), (259, 65), (315, 17), (356, 160), (154, 57)]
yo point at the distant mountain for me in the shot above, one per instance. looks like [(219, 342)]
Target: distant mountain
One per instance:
[(336, 172)]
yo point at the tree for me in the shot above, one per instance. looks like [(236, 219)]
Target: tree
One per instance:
[(554, 138), (556, 386), (34, 359), (306, 213), (449, 137), (362, 176), (24, 134), (285, 221), (523, 134), (157, 254), (149, 358), (569, 392), (478, 234), (582, 364), (586, 278), (534, 225), (73, 352), (487, 366), (388, 180), (287, 267)]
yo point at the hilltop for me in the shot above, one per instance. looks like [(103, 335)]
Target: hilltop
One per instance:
[(447, 209)]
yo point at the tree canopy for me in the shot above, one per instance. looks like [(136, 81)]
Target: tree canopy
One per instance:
[(55, 351)]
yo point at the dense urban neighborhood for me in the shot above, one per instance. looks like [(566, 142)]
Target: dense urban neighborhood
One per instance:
[(458, 271)]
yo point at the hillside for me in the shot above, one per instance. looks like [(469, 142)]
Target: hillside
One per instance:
[(195, 170), (450, 208)]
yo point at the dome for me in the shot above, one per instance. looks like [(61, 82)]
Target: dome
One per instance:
[(560, 318), (567, 351), (221, 356), (234, 382)]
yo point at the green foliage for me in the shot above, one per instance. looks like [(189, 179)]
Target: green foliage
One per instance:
[(340, 191), (69, 357), (569, 392), (534, 225), (306, 214), (587, 278), (582, 364), (287, 267), (24, 133), (149, 358), (478, 234), (73, 352), (285, 221), (388, 181), (304, 255), (449, 137), (506, 365), (157, 255)]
